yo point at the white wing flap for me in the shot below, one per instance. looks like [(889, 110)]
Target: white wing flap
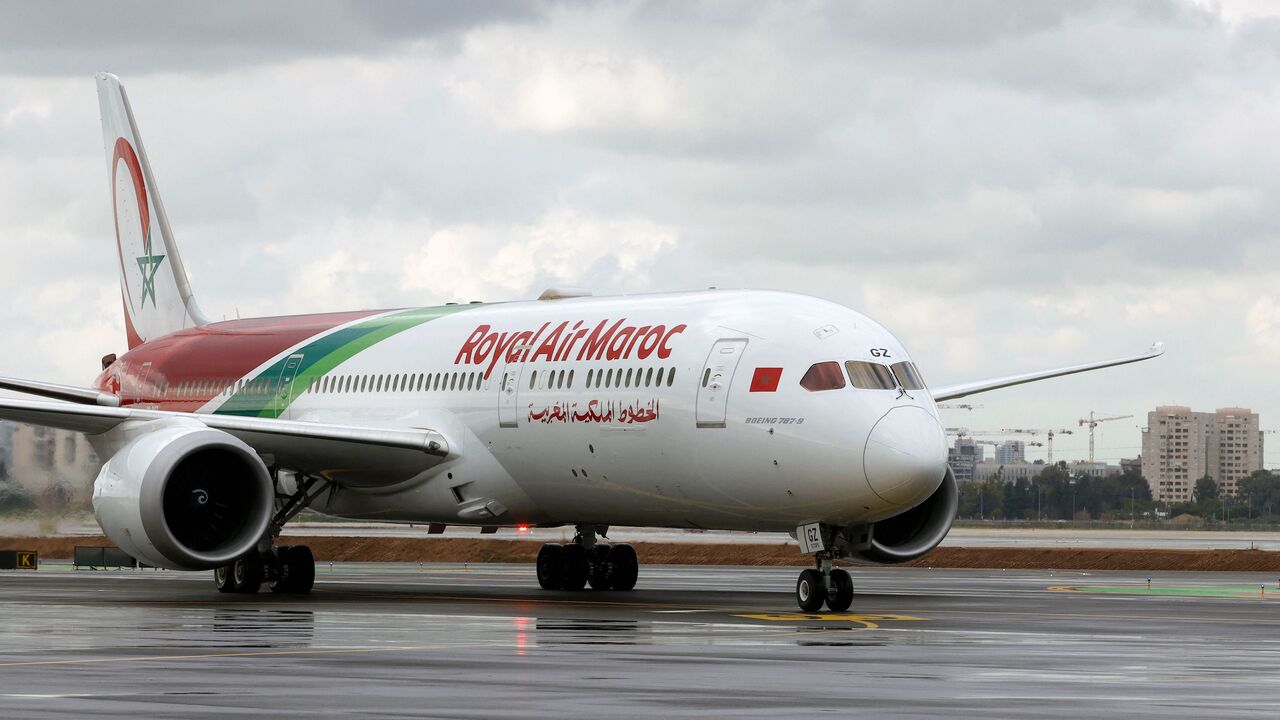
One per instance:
[(347, 455), (69, 393), (951, 392)]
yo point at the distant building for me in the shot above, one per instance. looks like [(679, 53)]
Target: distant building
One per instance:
[(1030, 471), (1011, 451), (1180, 446), (1010, 472), (1093, 469), (6, 450), (962, 457), (48, 461), (1131, 465)]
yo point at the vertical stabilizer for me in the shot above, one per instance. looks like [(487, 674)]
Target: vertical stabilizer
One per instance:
[(157, 296)]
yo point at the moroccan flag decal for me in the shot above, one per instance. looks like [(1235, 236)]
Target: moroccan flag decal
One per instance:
[(766, 379)]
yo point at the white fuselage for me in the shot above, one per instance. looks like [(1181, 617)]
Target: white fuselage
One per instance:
[(539, 438)]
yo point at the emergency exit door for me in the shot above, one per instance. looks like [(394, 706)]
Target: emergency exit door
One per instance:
[(717, 376)]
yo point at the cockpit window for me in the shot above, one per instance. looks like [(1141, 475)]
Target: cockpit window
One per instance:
[(870, 376), (908, 376), (823, 376)]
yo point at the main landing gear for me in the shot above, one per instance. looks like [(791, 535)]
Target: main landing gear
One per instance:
[(585, 561), (834, 586), (286, 569)]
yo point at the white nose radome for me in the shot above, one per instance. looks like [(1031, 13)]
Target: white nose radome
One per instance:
[(906, 455)]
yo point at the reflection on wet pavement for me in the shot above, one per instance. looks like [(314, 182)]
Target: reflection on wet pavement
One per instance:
[(480, 641)]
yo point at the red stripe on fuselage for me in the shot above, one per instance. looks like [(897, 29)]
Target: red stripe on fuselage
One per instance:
[(225, 352)]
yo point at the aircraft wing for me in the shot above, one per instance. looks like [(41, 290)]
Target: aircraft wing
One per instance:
[(69, 393), (951, 392), (344, 454)]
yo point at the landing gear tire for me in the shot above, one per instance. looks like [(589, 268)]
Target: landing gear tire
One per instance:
[(626, 567), (574, 567), (602, 570), (247, 572), (550, 576), (224, 579), (840, 597), (810, 592), (296, 570)]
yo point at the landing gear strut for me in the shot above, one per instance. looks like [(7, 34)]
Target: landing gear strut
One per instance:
[(583, 561), (286, 569), (834, 586)]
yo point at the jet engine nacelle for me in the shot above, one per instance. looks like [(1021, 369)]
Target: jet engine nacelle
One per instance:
[(907, 536), (184, 497)]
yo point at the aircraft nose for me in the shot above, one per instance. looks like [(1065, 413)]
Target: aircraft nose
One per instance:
[(906, 455)]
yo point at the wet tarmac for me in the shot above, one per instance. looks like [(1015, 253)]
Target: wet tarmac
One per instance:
[(481, 641)]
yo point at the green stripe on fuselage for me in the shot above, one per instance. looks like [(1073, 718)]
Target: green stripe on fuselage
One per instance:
[(264, 395)]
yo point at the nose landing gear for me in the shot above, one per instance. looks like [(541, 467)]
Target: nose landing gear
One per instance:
[(824, 584)]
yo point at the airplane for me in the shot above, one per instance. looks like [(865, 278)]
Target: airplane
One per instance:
[(722, 409)]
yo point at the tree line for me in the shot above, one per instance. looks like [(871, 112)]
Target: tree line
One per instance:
[(1056, 494)]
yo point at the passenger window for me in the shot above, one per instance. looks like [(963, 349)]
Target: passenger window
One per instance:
[(660, 376), (533, 378), (870, 376), (671, 377), (908, 376), (648, 378), (608, 379), (571, 379), (628, 377), (823, 376)]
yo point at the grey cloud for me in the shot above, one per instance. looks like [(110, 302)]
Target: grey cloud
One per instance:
[(1004, 184), (138, 36)]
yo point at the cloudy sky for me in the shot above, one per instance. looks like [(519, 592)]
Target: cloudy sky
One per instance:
[(1006, 185)]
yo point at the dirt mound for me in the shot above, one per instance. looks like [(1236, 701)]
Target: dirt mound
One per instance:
[(435, 549)]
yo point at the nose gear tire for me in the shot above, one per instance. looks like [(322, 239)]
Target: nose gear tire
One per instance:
[(810, 593), (841, 595)]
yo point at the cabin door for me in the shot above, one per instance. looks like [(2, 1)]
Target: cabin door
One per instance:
[(509, 388), (717, 375)]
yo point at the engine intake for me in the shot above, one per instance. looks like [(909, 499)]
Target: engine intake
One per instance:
[(914, 533), (185, 497)]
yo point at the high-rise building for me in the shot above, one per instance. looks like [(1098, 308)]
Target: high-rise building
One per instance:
[(962, 457), (1011, 451), (1180, 446)]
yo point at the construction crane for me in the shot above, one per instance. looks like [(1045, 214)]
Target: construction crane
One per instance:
[(1047, 433), (957, 406), (966, 432), (1092, 422)]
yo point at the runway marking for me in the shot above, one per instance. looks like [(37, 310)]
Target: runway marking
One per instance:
[(870, 622), (1234, 592)]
